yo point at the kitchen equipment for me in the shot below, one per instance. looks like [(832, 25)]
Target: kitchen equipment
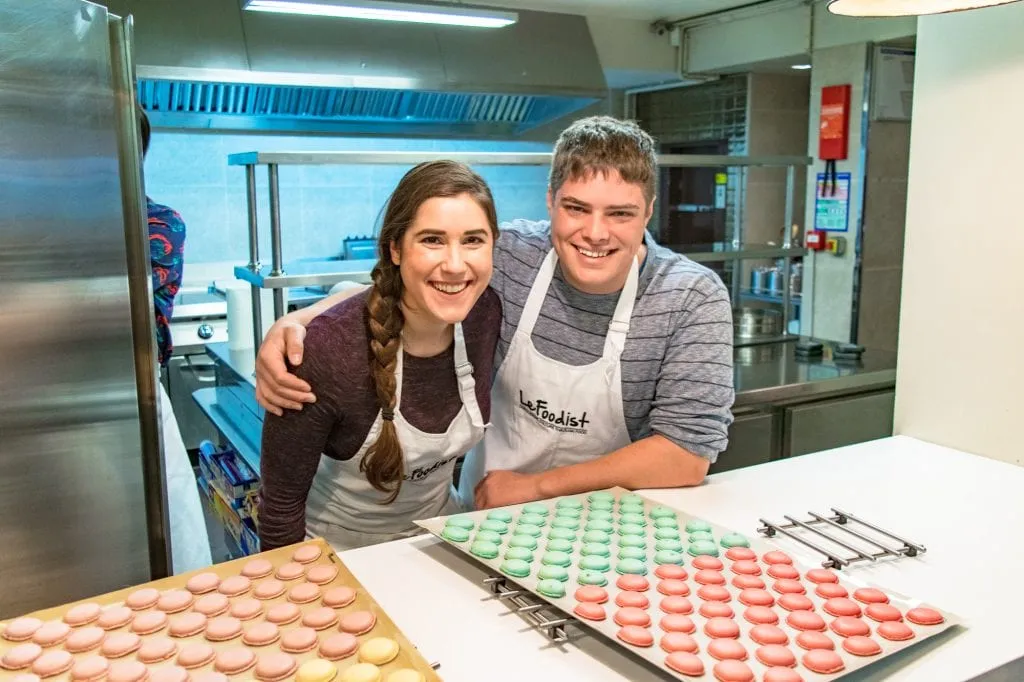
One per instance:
[(240, 317), (796, 279), (270, 74), (317, 570), (185, 375), (861, 538), (757, 280), (82, 496), (199, 317), (774, 277), (655, 594), (360, 247), (756, 323)]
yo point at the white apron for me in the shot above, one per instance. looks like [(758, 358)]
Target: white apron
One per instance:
[(346, 510), (190, 543), (545, 413)]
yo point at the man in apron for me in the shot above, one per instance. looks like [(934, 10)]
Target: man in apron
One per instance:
[(615, 354)]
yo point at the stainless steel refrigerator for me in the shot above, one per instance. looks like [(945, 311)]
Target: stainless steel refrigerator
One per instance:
[(82, 501)]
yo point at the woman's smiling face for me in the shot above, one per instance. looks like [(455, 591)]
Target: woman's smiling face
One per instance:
[(445, 258)]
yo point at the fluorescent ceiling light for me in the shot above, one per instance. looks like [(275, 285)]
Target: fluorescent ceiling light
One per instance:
[(388, 11), (801, 67), (906, 8)]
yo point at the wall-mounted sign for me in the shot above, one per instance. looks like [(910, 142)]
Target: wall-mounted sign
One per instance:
[(832, 209)]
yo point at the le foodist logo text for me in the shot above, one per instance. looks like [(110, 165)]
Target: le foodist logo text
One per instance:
[(559, 420)]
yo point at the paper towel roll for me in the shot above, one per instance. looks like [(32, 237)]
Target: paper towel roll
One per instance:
[(240, 324)]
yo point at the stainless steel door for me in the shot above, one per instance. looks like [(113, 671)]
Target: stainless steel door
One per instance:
[(78, 447)]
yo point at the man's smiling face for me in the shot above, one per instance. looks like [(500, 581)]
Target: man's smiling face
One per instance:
[(597, 229)]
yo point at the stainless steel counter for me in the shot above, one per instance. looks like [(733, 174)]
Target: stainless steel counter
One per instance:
[(771, 373), (770, 384)]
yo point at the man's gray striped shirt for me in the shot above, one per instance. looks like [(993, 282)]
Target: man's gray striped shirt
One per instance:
[(677, 373)]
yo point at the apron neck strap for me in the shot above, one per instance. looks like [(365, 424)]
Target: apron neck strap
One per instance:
[(463, 374), (617, 328), (538, 292)]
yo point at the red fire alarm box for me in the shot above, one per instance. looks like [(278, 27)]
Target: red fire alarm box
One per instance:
[(816, 240), (834, 132), (835, 123)]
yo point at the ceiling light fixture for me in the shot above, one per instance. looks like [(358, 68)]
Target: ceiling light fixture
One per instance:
[(906, 8), (388, 11), (801, 67)]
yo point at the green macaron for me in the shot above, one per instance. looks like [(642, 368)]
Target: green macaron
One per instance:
[(483, 549), (730, 540), (455, 534), (515, 568), (519, 554), (694, 525), (495, 525), (631, 566), (591, 578), (553, 589), (558, 545), (703, 547), (460, 522), (553, 573)]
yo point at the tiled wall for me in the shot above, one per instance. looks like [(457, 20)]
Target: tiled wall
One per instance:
[(320, 205), (779, 106), (707, 112), (777, 126)]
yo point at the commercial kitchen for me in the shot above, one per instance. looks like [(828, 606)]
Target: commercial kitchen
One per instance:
[(875, 371)]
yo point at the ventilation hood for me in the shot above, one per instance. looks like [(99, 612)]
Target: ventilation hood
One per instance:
[(208, 64)]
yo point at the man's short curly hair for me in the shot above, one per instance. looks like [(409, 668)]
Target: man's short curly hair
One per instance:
[(599, 144)]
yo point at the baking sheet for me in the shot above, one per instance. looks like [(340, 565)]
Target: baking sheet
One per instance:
[(655, 655), (408, 656)]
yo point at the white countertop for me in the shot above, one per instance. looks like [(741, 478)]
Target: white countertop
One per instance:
[(940, 498)]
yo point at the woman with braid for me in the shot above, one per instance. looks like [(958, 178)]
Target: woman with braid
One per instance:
[(402, 373)]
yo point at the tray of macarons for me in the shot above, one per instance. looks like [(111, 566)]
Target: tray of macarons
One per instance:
[(293, 613), (694, 599)]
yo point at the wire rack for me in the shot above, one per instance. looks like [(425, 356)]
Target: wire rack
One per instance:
[(843, 529)]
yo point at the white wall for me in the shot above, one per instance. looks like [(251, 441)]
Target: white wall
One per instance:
[(831, 30), (960, 381)]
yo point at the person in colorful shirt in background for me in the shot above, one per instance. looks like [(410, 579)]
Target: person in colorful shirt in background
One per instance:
[(167, 256), (190, 544)]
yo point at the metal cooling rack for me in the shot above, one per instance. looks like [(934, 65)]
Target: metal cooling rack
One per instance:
[(840, 523), (540, 614)]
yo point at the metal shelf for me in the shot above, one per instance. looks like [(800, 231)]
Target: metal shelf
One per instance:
[(321, 274), (329, 273), (492, 159), (277, 279), (206, 398), (769, 298), (752, 253)]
